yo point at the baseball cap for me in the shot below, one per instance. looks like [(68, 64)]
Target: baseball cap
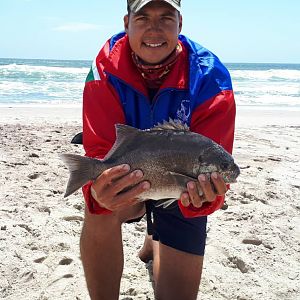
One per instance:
[(136, 5)]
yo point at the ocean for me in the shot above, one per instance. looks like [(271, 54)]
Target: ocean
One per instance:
[(60, 82)]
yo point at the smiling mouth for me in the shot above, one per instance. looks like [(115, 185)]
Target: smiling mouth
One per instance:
[(154, 45)]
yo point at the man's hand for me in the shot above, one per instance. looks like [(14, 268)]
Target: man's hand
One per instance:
[(217, 187), (107, 188)]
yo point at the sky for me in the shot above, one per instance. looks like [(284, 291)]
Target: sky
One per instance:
[(256, 31)]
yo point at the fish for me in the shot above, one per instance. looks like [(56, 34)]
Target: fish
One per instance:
[(169, 155)]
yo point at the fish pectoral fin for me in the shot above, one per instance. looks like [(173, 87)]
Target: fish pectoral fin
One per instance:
[(182, 180)]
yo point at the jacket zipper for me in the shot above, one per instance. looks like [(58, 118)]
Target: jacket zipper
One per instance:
[(154, 103)]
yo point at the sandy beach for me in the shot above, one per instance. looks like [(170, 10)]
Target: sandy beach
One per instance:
[(253, 245)]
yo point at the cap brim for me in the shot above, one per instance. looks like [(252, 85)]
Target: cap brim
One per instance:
[(137, 5)]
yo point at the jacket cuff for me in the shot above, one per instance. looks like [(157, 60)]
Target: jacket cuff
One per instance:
[(206, 209), (92, 205)]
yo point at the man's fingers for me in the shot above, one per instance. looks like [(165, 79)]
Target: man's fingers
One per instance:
[(130, 197), (112, 174), (219, 183), (205, 191), (185, 199), (128, 180), (208, 191), (195, 198), (115, 188)]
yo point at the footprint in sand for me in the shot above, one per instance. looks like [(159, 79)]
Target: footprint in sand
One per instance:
[(34, 155), (40, 259), (252, 241), (73, 218), (65, 261), (236, 262), (27, 276), (34, 176)]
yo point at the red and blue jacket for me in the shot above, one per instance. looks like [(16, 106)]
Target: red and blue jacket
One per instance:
[(197, 91)]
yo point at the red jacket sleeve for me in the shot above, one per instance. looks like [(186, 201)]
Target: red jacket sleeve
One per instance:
[(215, 119), (101, 111)]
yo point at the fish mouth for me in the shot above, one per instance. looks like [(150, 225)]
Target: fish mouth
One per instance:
[(231, 176), (237, 171)]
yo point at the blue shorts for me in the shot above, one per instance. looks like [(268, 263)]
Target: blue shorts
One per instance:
[(172, 229)]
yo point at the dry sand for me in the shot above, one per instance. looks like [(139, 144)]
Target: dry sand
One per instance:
[(253, 246)]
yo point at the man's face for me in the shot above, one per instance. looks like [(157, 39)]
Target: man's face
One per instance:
[(153, 31)]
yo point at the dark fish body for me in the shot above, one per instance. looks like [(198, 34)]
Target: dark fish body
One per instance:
[(169, 155)]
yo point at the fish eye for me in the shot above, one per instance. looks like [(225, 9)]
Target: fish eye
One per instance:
[(200, 159), (224, 165)]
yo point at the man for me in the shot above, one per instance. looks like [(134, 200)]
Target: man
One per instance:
[(145, 75)]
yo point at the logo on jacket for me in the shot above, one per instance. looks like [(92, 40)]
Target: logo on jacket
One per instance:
[(184, 112)]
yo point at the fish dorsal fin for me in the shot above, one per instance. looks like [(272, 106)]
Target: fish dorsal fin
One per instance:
[(124, 133), (171, 125)]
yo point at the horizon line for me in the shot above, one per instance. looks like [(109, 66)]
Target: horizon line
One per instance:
[(90, 60)]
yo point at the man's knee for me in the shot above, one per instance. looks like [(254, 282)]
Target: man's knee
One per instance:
[(96, 227), (181, 268), (116, 217)]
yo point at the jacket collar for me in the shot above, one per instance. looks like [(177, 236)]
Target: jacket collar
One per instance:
[(119, 64)]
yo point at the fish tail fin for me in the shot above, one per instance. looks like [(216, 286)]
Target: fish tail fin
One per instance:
[(81, 171)]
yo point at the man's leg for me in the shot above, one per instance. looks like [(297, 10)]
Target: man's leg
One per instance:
[(102, 252), (177, 274), (146, 252)]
